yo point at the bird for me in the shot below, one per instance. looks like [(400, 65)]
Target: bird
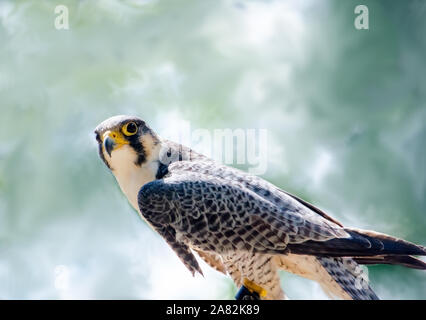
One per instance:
[(238, 223)]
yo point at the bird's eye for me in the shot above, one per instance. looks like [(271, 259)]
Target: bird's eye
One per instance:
[(129, 129), (98, 137)]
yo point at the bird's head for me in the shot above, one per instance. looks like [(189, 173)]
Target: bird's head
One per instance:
[(126, 141)]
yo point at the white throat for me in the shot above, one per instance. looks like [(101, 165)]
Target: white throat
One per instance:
[(130, 176)]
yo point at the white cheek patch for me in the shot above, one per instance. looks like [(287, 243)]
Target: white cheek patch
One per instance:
[(131, 177), (122, 158)]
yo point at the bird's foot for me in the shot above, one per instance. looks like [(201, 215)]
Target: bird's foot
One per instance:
[(250, 291)]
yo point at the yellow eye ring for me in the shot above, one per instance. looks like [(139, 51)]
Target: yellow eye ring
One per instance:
[(130, 129)]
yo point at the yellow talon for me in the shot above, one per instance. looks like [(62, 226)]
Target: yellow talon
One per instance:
[(251, 286)]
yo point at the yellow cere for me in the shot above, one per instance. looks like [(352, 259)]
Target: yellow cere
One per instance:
[(117, 137)]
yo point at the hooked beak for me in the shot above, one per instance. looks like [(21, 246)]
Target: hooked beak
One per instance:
[(109, 145)]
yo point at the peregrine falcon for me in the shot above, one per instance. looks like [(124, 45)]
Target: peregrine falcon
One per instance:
[(238, 223)]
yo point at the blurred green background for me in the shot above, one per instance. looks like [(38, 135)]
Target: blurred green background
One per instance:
[(345, 111)]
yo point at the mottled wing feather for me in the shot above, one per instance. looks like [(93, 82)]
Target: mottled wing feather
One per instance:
[(257, 185), (313, 208), (216, 215)]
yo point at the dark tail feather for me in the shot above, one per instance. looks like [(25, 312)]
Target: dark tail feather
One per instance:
[(406, 261), (361, 243)]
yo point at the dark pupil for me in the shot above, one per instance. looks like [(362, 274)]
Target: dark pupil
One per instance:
[(131, 128)]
